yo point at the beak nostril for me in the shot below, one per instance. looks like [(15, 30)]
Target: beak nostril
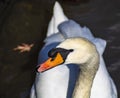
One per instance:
[(52, 59)]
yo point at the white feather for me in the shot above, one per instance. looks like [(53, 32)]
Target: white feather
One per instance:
[(54, 82)]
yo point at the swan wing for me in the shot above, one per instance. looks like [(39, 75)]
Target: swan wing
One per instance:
[(57, 18), (72, 29)]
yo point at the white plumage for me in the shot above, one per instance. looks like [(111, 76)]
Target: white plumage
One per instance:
[(59, 82)]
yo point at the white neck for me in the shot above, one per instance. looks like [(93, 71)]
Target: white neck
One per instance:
[(85, 78)]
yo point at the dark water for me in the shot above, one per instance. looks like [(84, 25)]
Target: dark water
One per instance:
[(25, 21)]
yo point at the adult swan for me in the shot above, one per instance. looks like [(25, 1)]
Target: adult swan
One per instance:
[(59, 82), (76, 51)]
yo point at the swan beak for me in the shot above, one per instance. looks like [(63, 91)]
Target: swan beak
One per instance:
[(50, 63)]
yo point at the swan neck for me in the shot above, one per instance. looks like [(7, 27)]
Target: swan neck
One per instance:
[(85, 79)]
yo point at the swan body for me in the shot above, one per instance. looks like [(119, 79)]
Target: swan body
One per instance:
[(59, 81), (76, 51)]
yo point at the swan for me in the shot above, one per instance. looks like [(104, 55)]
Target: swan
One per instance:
[(76, 51), (54, 84)]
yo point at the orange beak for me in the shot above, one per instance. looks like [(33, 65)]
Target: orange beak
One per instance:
[(50, 63)]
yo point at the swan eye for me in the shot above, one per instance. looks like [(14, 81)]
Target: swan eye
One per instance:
[(64, 53)]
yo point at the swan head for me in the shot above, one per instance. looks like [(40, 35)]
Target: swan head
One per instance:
[(71, 51)]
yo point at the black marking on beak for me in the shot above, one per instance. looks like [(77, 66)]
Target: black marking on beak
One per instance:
[(64, 52)]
